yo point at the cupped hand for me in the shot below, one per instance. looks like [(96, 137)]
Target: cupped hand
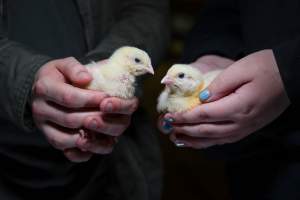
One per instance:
[(114, 119), (60, 109), (245, 97)]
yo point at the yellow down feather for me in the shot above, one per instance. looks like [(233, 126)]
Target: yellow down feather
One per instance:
[(183, 86)]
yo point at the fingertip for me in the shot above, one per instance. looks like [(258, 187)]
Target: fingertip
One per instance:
[(168, 115), (82, 78), (83, 75), (77, 156), (166, 126), (106, 106), (205, 95)]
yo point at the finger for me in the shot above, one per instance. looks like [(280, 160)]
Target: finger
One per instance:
[(43, 111), (76, 155), (74, 71), (205, 113), (216, 130), (225, 83), (67, 95), (119, 106), (200, 143), (164, 125), (100, 145), (197, 143), (226, 109), (60, 138), (110, 125)]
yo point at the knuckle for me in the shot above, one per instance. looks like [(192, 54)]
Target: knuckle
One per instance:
[(37, 111), (70, 121), (68, 98), (69, 60), (181, 117), (246, 110), (203, 114), (205, 131), (73, 64), (40, 88)]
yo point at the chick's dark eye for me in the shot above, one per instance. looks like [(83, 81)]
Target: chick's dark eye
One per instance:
[(181, 75), (137, 60)]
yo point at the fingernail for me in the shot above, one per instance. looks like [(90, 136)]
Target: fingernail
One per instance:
[(179, 143), (83, 75), (82, 133), (169, 120), (93, 124), (108, 107), (204, 95), (167, 126)]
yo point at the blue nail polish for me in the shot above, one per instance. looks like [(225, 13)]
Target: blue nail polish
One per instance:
[(167, 126), (169, 120), (204, 95)]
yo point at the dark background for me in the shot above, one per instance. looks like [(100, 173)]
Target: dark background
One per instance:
[(188, 174)]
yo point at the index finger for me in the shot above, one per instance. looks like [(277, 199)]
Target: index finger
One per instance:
[(116, 105), (68, 95), (218, 111)]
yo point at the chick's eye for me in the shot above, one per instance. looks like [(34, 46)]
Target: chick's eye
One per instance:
[(137, 60), (181, 75)]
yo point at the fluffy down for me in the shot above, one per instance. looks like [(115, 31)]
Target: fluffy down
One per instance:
[(117, 75), (183, 85)]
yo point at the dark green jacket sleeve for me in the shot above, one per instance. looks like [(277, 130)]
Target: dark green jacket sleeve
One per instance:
[(18, 66), (140, 23), (216, 32)]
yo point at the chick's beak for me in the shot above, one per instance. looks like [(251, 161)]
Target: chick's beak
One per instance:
[(167, 80), (150, 70)]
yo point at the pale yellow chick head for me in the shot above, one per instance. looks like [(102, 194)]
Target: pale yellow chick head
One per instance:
[(183, 79), (135, 60)]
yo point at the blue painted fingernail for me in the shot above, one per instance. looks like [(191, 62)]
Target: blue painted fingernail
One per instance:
[(169, 120), (167, 126), (204, 95)]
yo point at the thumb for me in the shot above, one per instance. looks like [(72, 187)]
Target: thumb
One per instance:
[(225, 83), (74, 71)]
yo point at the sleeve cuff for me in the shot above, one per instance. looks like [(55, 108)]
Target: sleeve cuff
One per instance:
[(23, 94), (288, 61)]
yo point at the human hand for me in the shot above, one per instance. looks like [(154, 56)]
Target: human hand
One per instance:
[(242, 99), (114, 119), (209, 63), (59, 108)]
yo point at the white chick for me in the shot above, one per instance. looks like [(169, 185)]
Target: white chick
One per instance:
[(117, 76), (183, 85)]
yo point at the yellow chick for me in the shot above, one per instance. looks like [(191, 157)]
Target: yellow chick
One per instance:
[(183, 85), (117, 76)]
